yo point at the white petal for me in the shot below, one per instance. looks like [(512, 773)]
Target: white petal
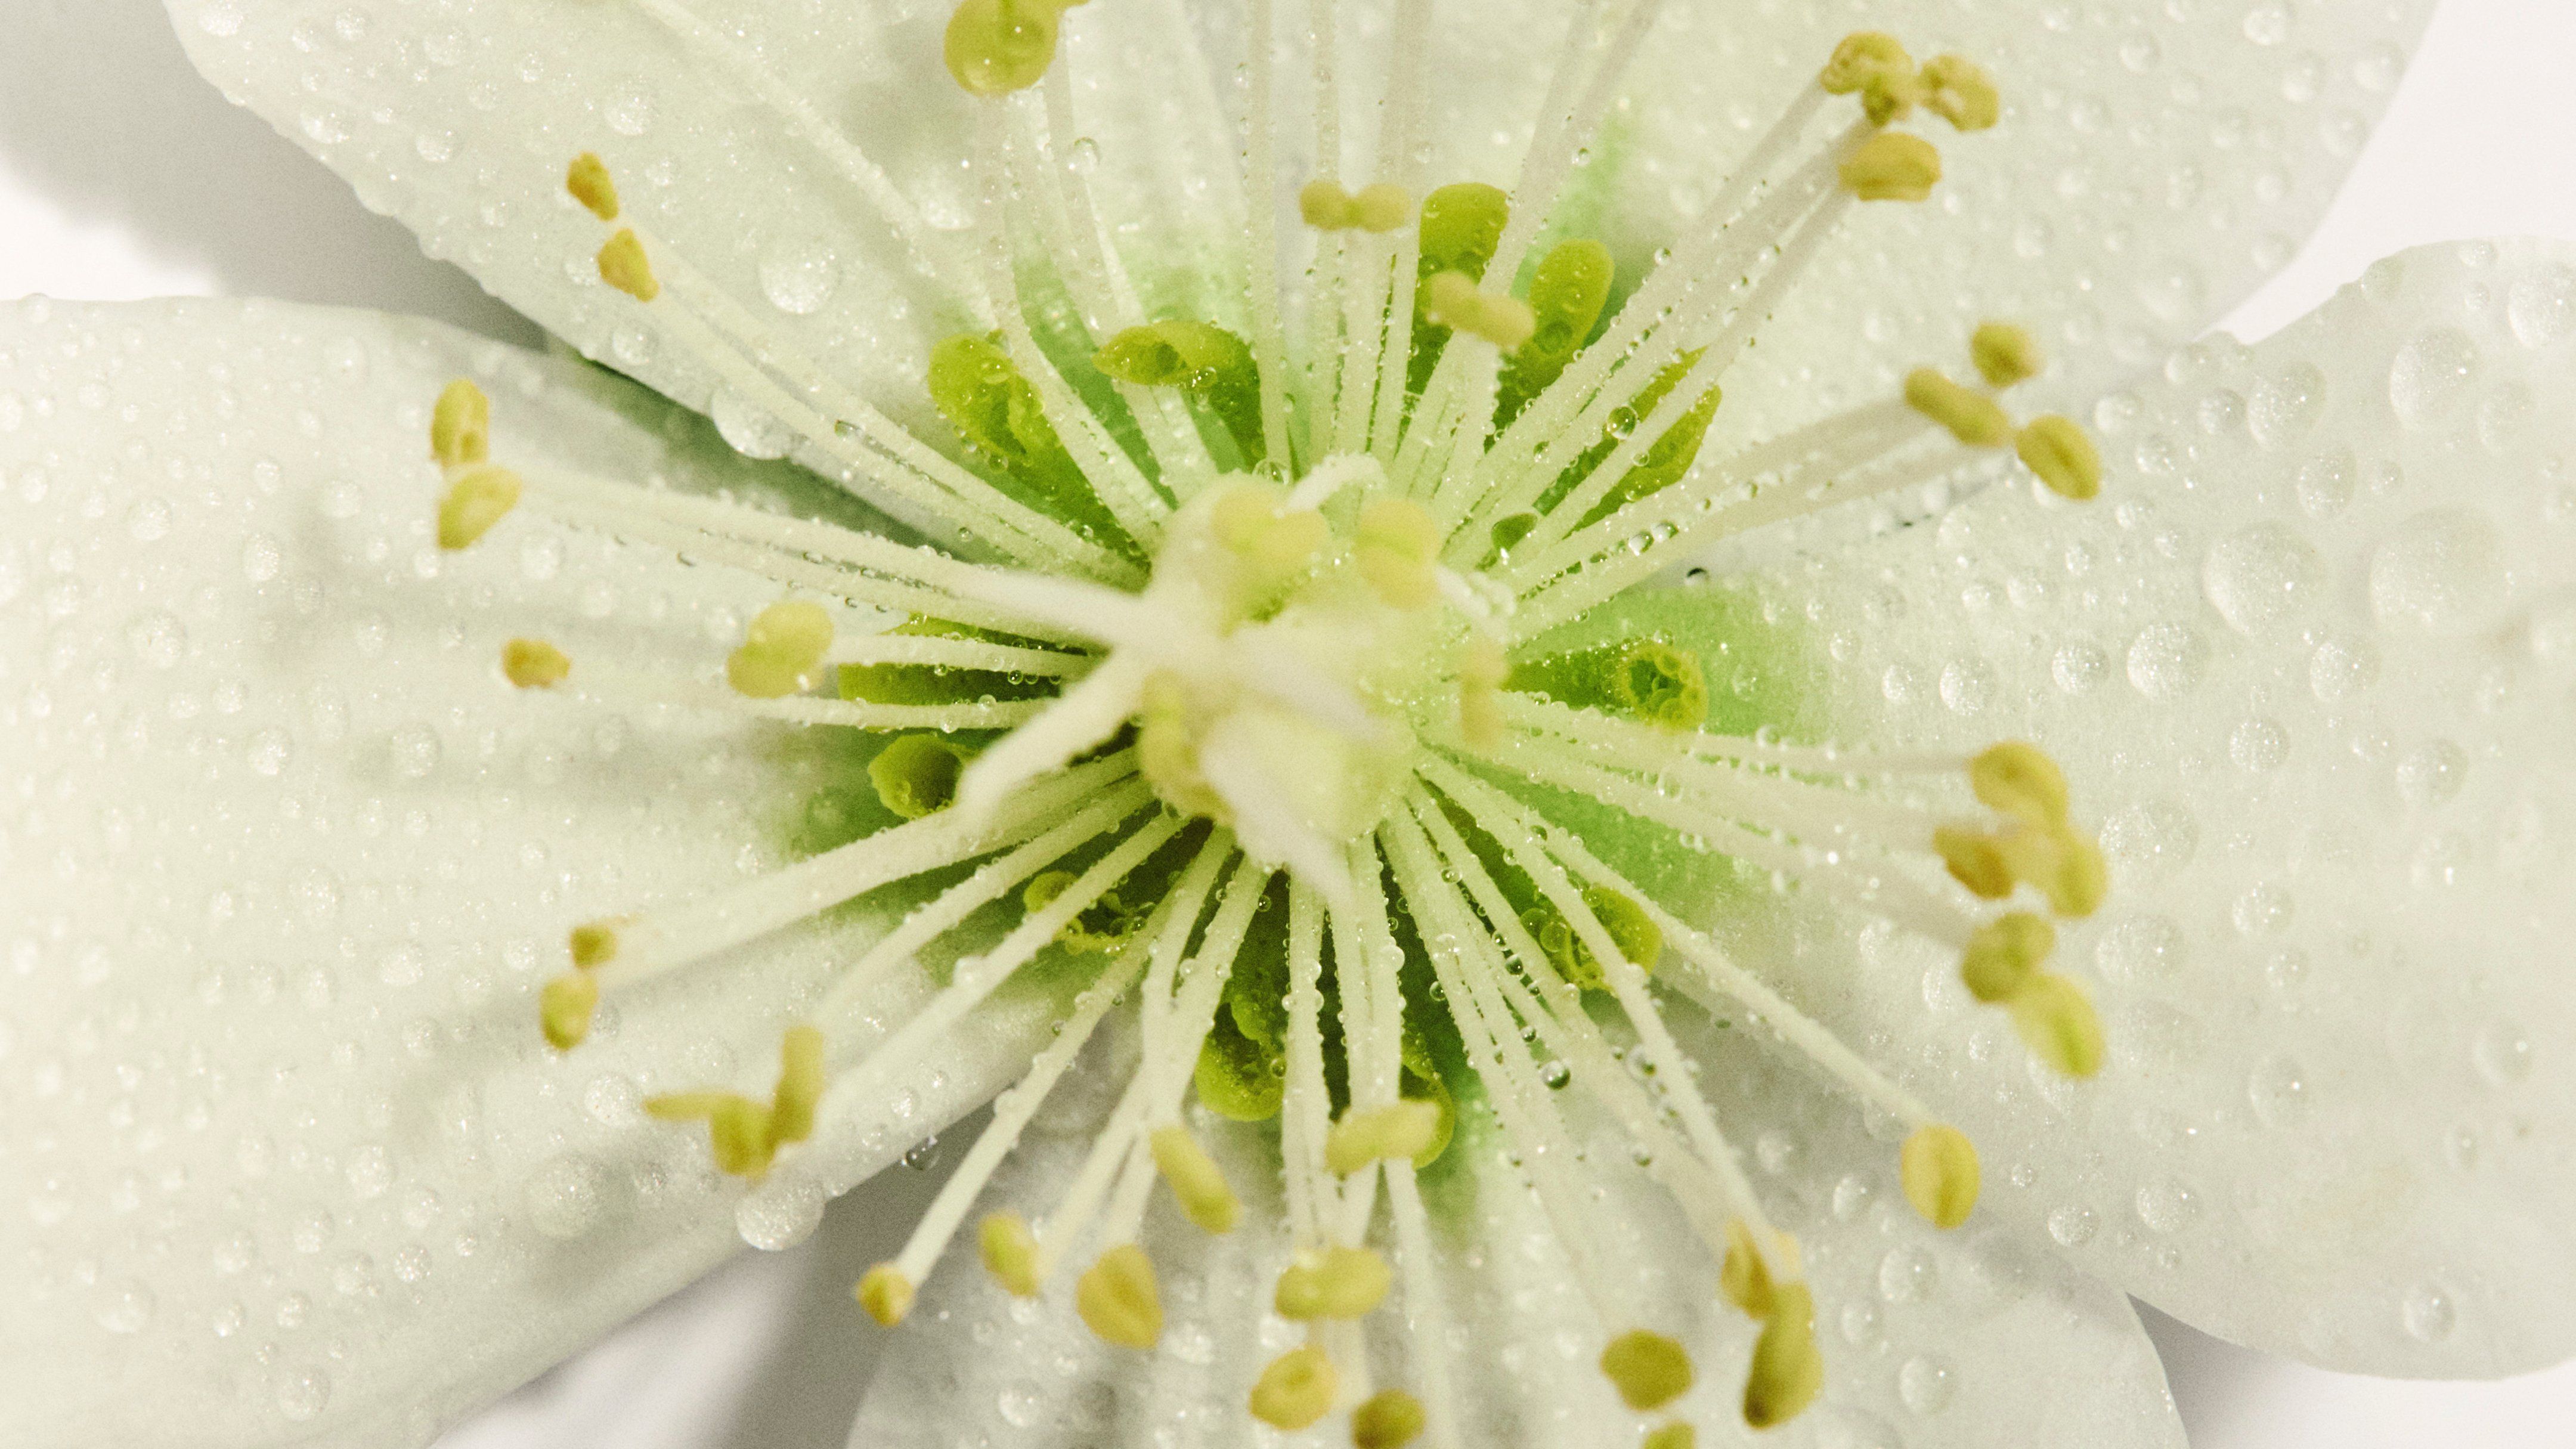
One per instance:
[(2308, 662), (1930, 1339), (284, 861)]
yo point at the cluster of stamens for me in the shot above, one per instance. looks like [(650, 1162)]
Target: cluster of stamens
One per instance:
[(1282, 636)]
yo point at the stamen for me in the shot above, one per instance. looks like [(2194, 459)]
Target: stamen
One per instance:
[(565, 1008), (1891, 166), (475, 502), (1387, 1419), (782, 651), (916, 775), (744, 1134), (2005, 354), (1787, 1371), (1333, 1282), (1010, 1253), (1959, 91), (886, 1294), (1118, 1299), (1648, 1369), (1972, 417), (1938, 1168), (460, 426), (623, 265), (534, 664), (1454, 302), (1395, 546), (1400, 1129), (1296, 1389), (1198, 1184), (1379, 207), (995, 47), (2057, 450), (588, 180), (1674, 1434)]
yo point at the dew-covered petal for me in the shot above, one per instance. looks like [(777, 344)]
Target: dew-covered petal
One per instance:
[(284, 861), (1969, 1338), (2309, 663)]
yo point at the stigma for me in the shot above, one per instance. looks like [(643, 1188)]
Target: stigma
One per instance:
[(1246, 682)]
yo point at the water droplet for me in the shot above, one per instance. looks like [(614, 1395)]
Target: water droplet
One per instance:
[(2258, 746), (2073, 1226), (923, 1155), (302, 1394), (2542, 308), (157, 638), (1907, 1275), (2263, 910), (2503, 1054), (260, 558), (124, 1306), (2278, 1090), (2142, 948), (2326, 483), (1019, 1404), (2079, 668), (2286, 405), (2429, 1315), (779, 1215), (748, 430), (2342, 666), (269, 751), (630, 112), (799, 276), (566, 1196), (1554, 1075), (415, 751), (2166, 1206), (1926, 1383), (2431, 375), (2261, 578), (2443, 571), (2153, 840), (2431, 773), (2166, 660)]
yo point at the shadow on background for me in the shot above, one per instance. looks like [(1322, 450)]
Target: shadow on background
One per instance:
[(100, 110), (2214, 1381)]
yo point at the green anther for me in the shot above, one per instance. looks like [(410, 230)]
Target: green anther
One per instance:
[(1235, 1076), (995, 47), (1206, 362), (1938, 1168), (1420, 1081), (2058, 450), (885, 1293), (474, 503), (1744, 1277), (1972, 417), (1648, 1369), (1863, 56), (1325, 206), (1118, 1299), (2057, 1022), (1397, 546), (1892, 166), (588, 180), (1462, 225), (1400, 1129), (979, 390), (1669, 457), (1104, 925), (1196, 1181), (1636, 935), (460, 426), (623, 265), (1675, 1434), (534, 664), (2021, 781), (2066, 866), (1010, 1252), (1959, 91), (1450, 299), (1891, 96), (565, 1008), (800, 1085), (1381, 207), (916, 775), (1338, 1282), (781, 650), (1566, 296), (2006, 354), (1296, 1389), (1661, 685), (738, 1134), (1509, 530), (1787, 1372), (594, 944), (2004, 954), (1387, 1419), (1975, 860)]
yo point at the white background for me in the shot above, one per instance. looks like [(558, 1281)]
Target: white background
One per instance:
[(122, 175)]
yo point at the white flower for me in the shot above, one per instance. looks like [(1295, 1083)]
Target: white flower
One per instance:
[(1302, 670)]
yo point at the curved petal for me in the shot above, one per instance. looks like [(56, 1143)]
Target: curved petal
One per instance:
[(2150, 167), (2308, 663), (284, 1159), (1930, 1339)]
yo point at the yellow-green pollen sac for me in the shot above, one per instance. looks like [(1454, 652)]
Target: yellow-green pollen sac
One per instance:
[(1244, 651)]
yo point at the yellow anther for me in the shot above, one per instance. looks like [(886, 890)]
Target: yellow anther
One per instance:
[(1959, 91), (623, 265), (2057, 1022), (1387, 1419), (1975, 860), (781, 650), (1381, 207), (995, 47), (1482, 669), (1648, 1369), (1891, 97), (1296, 1390), (1197, 1182), (534, 664), (1938, 1166), (2065, 865), (2021, 781), (1337, 1282), (1661, 684), (2058, 450), (1748, 1277), (566, 1007), (460, 426), (1892, 166), (916, 775), (1325, 206), (1010, 1252), (800, 1085), (1972, 417), (590, 184), (1674, 1434), (1118, 1299), (2006, 354), (1396, 547), (1861, 57), (885, 1293), (594, 944), (1398, 1130), (2004, 954), (474, 503), (1451, 299), (1787, 1371)]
